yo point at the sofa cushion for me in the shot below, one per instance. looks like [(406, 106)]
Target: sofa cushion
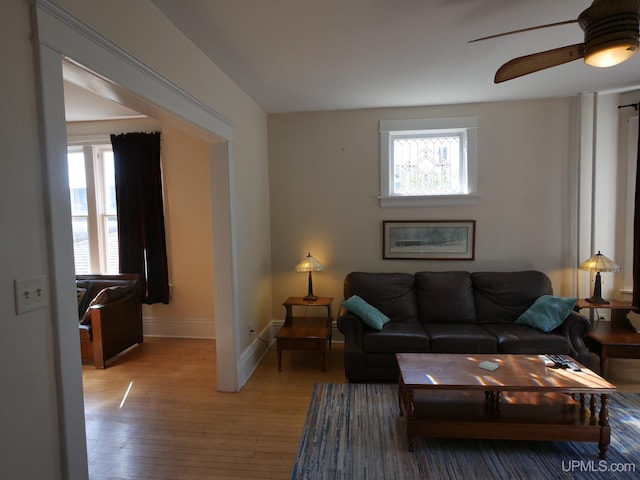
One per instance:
[(391, 293), (460, 338), (445, 297), (396, 337), (514, 338), (547, 312), (369, 314), (501, 297)]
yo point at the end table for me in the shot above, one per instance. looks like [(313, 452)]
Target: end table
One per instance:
[(305, 332), (611, 339)]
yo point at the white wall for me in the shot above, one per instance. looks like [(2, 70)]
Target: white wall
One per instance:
[(29, 428), (324, 177), (605, 190)]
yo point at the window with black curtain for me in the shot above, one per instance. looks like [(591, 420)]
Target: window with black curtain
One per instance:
[(141, 233)]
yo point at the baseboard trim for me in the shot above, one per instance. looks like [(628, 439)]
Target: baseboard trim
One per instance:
[(253, 355), (179, 327)]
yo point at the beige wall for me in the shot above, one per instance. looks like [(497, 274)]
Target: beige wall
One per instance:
[(185, 164), (324, 177)]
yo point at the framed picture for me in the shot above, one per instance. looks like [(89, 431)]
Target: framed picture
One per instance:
[(429, 240)]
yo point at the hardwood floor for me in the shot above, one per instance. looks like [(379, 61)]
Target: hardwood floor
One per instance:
[(173, 424)]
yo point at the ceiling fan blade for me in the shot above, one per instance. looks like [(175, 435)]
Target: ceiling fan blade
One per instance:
[(538, 61), (528, 29)]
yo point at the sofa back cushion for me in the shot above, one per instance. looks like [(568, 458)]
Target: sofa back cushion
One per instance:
[(501, 297), (89, 286), (445, 297), (391, 293)]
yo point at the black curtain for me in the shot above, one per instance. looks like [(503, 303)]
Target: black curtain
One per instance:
[(141, 235), (636, 232)]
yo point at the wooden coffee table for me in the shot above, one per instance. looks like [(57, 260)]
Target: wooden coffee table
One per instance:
[(449, 395)]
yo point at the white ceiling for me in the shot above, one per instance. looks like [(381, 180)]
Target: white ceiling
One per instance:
[(82, 105), (297, 55)]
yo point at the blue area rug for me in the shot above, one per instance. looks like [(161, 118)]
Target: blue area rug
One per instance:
[(354, 431)]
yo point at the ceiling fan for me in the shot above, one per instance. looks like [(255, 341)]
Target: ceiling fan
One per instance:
[(610, 37)]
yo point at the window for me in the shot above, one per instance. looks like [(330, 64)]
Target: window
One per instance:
[(427, 162), (93, 208)]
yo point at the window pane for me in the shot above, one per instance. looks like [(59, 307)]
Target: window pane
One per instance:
[(109, 183), (426, 165), (77, 183), (111, 228), (81, 245)]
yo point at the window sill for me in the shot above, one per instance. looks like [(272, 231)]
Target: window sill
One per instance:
[(429, 201)]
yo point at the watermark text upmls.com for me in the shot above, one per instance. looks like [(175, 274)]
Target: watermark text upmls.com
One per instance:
[(596, 466)]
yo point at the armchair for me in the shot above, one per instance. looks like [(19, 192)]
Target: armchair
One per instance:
[(108, 326)]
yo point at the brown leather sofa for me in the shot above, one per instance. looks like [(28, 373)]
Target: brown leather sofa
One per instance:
[(451, 312), (112, 322)]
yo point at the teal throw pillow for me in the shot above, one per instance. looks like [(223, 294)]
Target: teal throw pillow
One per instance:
[(367, 313), (547, 312)]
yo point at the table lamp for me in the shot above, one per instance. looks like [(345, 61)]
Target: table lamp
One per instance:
[(309, 264), (598, 263)]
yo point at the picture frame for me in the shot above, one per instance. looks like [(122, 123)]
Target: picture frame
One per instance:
[(429, 239)]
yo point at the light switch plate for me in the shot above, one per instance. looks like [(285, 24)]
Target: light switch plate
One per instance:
[(31, 293)]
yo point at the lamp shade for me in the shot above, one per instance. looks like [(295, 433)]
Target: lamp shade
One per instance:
[(599, 263), (309, 264)]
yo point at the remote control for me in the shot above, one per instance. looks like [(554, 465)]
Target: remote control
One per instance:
[(563, 361), (568, 361)]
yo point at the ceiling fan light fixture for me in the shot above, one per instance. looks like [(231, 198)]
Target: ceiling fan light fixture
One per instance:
[(611, 53), (610, 36)]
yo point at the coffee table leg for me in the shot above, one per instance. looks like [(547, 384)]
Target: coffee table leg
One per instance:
[(405, 402), (323, 350), (605, 429), (411, 417)]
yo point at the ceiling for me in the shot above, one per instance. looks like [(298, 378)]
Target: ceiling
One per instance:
[(298, 55), (82, 104)]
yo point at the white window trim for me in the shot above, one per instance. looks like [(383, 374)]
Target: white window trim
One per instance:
[(388, 127), (93, 147)]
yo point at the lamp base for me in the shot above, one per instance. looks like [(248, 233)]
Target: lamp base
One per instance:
[(597, 292), (597, 300), (310, 296)]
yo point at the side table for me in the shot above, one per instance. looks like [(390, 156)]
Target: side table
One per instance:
[(613, 305), (611, 339), (305, 332)]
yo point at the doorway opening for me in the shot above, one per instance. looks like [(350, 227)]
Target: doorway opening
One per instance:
[(60, 36)]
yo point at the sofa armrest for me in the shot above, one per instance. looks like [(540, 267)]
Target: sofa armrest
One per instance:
[(576, 327), (115, 326), (350, 326)]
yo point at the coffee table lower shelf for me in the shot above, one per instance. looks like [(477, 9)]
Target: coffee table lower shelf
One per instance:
[(505, 415)]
